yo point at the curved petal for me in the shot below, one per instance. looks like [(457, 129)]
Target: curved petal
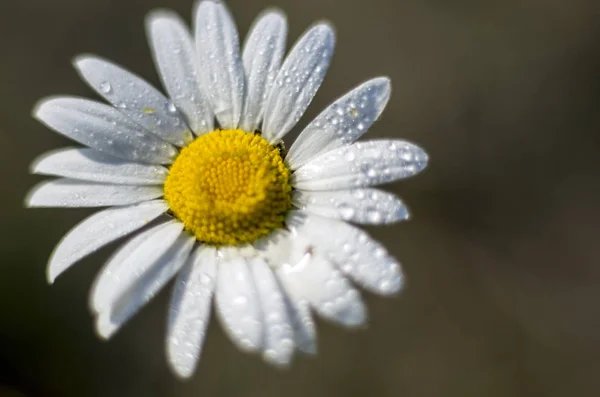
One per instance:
[(190, 310), (103, 128), (305, 334), (342, 123), (91, 165), (298, 81), (328, 292), (367, 206), (177, 63), (74, 193), (238, 305), (278, 333), (354, 252), (136, 257), (276, 250), (221, 68), (135, 98), (147, 285), (100, 229), (263, 52), (361, 164)]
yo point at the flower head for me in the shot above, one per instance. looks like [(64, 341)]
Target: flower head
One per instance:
[(223, 206)]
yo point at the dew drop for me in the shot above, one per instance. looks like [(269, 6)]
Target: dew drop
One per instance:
[(347, 212), (374, 216), (105, 87), (171, 108), (359, 194)]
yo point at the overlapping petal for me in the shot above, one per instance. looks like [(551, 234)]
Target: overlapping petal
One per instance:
[(221, 69), (278, 334), (146, 285), (94, 166), (238, 304), (135, 98), (352, 250), (366, 206), (136, 257), (73, 193), (298, 81), (175, 57), (100, 229), (190, 310), (361, 164), (103, 128), (262, 55), (342, 123)]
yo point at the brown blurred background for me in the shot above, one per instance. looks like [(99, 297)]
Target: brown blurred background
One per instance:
[(502, 257)]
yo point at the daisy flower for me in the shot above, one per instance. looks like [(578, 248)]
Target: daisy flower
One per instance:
[(225, 209)]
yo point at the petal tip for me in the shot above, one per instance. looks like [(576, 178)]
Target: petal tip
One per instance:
[(104, 327), (326, 28), (160, 16), (30, 200), (51, 275), (80, 61), (279, 362), (275, 13), (42, 107), (384, 81), (183, 372)]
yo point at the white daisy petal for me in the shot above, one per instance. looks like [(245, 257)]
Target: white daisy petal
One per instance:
[(103, 128), (136, 257), (328, 292), (94, 166), (176, 60), (361, 164), (221, 69), (74, 193), (298, 81), (355, 253), (135, 98), (238, 305), (145, 287), (262, 55), (278, 333), (367, 206), (100, 229), (305, 334), (190, 310), (342, 123), (276, 249)]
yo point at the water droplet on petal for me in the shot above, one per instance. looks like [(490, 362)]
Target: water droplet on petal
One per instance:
[(347, 212), (105, 87), (171, 108)]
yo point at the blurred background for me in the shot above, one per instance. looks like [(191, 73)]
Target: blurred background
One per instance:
[(501, 254)]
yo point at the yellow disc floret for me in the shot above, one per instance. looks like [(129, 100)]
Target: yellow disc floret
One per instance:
[(229, 187)]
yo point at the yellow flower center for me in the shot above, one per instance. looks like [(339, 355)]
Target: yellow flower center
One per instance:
[(229, 187)]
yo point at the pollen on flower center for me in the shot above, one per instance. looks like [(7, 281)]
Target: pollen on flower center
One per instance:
[(229, 187)]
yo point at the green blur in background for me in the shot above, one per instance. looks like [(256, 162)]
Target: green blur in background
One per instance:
[(501, 254)]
